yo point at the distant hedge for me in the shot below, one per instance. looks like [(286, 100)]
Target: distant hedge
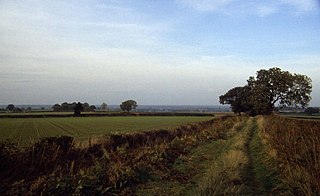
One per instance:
[(108, 114)]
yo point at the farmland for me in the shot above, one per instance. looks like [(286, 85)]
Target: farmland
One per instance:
[(302, 116), (26, 129), (228, 155)]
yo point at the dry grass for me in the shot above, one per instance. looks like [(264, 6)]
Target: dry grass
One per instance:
[(225, 176), (295, 145)]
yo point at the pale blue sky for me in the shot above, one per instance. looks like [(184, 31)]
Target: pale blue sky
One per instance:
[(157, 52)]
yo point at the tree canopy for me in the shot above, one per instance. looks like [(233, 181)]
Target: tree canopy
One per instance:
[(269, 87), (78, 109), (104, 106), (69, 107), (238, 99), (10, 107), (128, 105)]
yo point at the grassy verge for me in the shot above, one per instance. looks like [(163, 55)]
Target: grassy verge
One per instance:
[(262, 175), (242, 168), (186, 172), (223, 175), (186, 176)]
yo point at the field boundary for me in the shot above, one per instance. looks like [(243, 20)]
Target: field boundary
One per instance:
[(48, 115)]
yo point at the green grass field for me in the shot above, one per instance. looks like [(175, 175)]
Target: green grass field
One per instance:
[(301, 116), (28, 129)]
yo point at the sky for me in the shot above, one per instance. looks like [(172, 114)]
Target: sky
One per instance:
[(157, 52)]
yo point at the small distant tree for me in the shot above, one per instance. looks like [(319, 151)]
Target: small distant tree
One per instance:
[(71, 106), (78, 109), (86, 105), (10, 107), (128, 105), (56, 107), (92, 108), (18, 110), (65, 107), (311, 110), (104, 106)]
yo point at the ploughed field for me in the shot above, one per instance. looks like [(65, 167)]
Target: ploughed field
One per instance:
[(23, 130)]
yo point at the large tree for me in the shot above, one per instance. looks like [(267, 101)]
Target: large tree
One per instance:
[(274, 86), (128, 105)]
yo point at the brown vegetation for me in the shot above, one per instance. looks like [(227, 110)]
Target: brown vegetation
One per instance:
[(295, 146), (111, 164)]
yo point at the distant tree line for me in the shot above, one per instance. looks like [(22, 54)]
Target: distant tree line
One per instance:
[(268, 88), (70, 107), (312, 110), (79, 107), (13, 108)]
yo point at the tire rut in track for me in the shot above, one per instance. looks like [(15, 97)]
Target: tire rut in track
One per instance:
[(255, 186), (62, 128)]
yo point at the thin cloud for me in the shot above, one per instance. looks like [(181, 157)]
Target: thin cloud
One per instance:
[(244, 8), (303, 5), (263, 11), (206, 5), (65, 47)]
